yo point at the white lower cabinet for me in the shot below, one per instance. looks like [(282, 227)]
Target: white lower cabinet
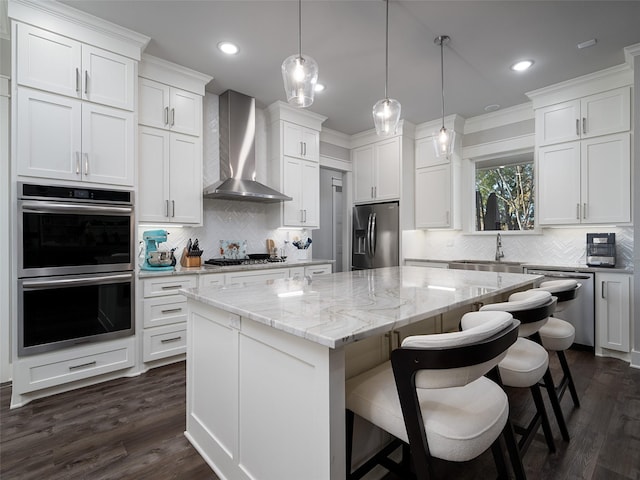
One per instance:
[(315, 270), (613, 311), (164, 316), (73, 364), (256, 277)]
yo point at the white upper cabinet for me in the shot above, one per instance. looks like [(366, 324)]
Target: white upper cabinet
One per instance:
[(62, 138), (376, 169), (163, 106), (585, 182), (57, 64), (426, 154), (302, 183), (433, 197), (301, 142), (595, 115)]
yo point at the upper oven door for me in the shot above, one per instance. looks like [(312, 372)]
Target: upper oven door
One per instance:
[(59, 238)]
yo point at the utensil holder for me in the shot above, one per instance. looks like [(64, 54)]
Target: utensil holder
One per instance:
[(303, 254), (187, 261)]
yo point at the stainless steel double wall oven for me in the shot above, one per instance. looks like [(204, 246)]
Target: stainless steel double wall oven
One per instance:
[(75, 266)]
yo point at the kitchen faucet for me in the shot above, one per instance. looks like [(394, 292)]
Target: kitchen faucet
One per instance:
[(499, 252)]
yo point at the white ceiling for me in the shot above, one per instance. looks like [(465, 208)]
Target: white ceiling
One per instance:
[(346, 37)]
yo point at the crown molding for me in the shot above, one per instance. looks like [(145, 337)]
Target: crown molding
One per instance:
[(335, 138), (630, 53), (280, 110), (171, 73), (500, 118)]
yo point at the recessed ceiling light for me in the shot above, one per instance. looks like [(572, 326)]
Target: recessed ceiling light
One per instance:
[(492, 107), (228, 48), (319, 87), (522, 65)]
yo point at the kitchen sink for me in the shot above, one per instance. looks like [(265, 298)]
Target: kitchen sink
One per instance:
[(487, 266)]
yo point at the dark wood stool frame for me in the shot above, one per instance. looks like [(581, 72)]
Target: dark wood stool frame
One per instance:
[(406, 362)]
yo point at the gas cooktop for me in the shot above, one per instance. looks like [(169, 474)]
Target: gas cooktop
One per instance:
[(227, 262)]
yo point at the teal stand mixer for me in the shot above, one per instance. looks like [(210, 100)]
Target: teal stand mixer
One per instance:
[(159, 261)]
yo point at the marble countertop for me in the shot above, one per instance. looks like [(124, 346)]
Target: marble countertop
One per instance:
[(334, 310), (578, 267), (204, 269)]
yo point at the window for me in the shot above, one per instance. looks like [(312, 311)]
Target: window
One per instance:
[(505, 197)]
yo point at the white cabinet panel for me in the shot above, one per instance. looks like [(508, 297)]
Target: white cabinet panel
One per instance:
[(558, 196), (301, 142), (613, 311), (185, 178), (57, 64), (169, 285), (48, 61), (302, 184), (214, 279), (433, 197), (426, 155), (108, 78), (314, 270), (256, 278), (170, 108), (107, 145), (153, 178), (163, 342), (164, 310), (600, 114), (49, 142), (377, 171), (606, 179)]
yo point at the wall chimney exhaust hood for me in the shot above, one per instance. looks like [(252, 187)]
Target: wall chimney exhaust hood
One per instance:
[(237, 153)]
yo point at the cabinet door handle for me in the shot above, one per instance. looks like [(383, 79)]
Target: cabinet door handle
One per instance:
[(86, 82), (77, 163), (173, 117), (166, 206), (169, 340), (375, 192), (173, 208), (584, 211), (86, 163), (77, 80), (82, 365), (171, 310), (305, 149), (371, 192), (603, 294), (577, 211), (584, 124), (301, 151), (578, 127), (305, 216), (166, 115)]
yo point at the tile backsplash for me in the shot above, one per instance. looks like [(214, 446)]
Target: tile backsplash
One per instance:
[(555, 246)]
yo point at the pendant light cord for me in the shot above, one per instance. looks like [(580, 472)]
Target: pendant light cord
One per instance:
[(386, 56), (300, 29), (442, 40)]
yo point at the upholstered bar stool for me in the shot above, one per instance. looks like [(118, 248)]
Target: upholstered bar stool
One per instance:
[(527, 363), (557, 335), (433, 397)]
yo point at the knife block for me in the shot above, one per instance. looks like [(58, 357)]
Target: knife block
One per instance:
[(187, 261)]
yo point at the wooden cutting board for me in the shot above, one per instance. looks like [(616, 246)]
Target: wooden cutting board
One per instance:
[(270, 245)]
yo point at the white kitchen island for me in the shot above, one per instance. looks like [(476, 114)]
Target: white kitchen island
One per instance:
[(266, 363)]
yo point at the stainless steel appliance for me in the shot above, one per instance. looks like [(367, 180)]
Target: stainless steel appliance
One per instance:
[(579, 313), (75, 266), (601, 249), (376, 236)]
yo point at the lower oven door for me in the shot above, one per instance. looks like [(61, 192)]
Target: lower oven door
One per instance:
[(57, 312)]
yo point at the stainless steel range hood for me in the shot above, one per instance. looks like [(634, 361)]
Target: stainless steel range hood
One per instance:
[(237, 153)]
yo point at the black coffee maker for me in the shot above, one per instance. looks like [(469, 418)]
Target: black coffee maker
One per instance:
[(601, 249)]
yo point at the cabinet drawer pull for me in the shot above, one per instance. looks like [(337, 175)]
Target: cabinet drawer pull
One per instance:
[(86, 82), (171, 310), (317, 272), (166, 115), (171, 287), (169, 340), (82, 365), (603, 294), (77, 80), (578, 127)]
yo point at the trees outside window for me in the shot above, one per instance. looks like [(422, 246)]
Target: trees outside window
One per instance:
[(505, 197)]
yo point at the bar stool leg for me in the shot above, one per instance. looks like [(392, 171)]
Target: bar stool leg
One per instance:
[(514, 451), (555, 404), (544, 420), (349, 419), (567, 373)]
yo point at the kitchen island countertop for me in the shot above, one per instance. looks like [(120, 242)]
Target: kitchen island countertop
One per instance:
[(338, 309)]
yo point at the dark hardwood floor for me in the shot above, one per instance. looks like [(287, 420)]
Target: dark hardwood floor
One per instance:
[(133, 429)]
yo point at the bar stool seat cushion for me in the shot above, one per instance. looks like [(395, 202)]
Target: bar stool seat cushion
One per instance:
[(557, 334), (460, 422), (521, 301), (524, 365), (555, 286)]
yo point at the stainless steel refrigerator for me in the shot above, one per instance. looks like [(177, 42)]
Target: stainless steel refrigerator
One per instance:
[(376, 236)]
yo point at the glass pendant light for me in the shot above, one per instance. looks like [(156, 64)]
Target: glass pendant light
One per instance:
[(300, 73), (386, 112), (443, 139)]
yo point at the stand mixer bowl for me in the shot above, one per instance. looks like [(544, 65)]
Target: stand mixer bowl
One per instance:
[(160, 259)]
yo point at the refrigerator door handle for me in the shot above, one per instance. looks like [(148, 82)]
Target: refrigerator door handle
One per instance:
[(367, 242), (373, 234)]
